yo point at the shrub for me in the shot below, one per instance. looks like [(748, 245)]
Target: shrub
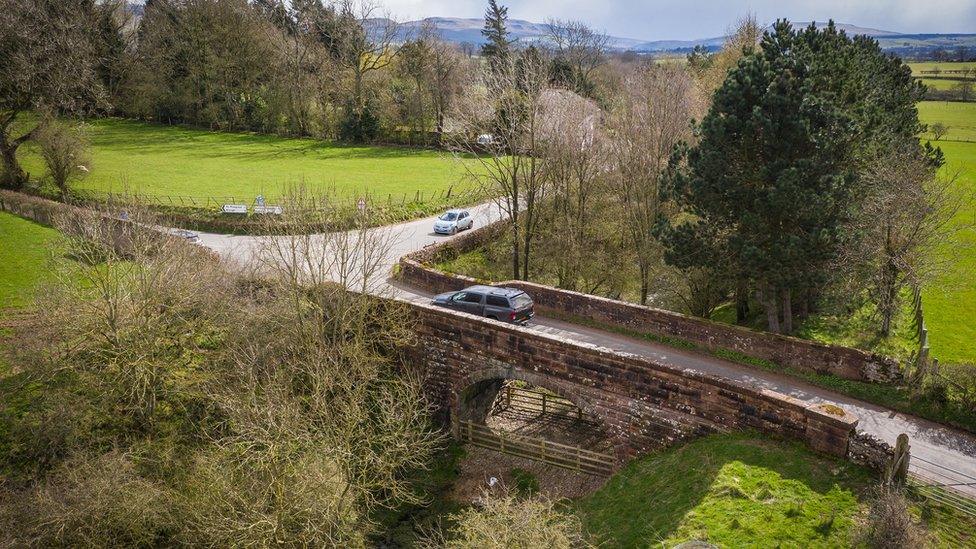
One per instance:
[(96, 501), (890, 524), (499, 521)]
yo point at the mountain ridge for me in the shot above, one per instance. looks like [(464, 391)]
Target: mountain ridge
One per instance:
[(462, 29)]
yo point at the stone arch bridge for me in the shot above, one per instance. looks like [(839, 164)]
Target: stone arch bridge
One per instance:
[(640, 403)]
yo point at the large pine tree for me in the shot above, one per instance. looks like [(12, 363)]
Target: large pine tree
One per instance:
[(773, 181)]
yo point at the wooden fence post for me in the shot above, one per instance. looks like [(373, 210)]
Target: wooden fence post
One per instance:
[(898, 469)]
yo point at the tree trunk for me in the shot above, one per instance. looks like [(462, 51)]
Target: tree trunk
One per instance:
[(741, 302), (787, 299), (14, 177), (770, 303), (644, 283), (803, 306)]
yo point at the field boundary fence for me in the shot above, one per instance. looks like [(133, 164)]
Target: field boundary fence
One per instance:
[(215, 202), (947, 494)]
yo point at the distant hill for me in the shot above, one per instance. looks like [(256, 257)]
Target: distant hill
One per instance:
[(458, 30)]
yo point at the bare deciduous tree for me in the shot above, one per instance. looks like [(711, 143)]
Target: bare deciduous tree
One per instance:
[(580, 49), (504, 521), (741, 37), (499, 122), (654, 116), (574, 153), (66, 152), (909, 212)]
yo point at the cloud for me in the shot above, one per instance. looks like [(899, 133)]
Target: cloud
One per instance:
[(687, 19)]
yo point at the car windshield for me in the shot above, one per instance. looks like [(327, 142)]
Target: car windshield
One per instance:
[(521, 301), (449, 216)]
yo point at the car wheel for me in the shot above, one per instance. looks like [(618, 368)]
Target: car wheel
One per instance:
[(454, 229)]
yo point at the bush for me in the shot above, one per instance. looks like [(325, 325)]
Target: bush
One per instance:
[(503, 521), (890, 524), (88, 502)]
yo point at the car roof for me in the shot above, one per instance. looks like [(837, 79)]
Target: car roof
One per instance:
[(494, 290), (454, 210)]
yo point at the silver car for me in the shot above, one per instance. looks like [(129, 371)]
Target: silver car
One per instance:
[(452, 221)]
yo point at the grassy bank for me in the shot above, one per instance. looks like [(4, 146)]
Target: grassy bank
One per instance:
[(24, 254), (730, 490), (734, 490), (175, 161)]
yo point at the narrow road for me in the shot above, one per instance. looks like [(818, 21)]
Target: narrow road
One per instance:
[(941, 454)]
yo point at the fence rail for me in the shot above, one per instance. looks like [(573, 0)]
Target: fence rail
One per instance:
[(947, 493), (539, 449)]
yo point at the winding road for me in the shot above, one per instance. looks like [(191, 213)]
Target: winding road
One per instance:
[(940, 454)]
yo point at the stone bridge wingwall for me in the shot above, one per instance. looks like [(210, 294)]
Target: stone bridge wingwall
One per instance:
[(845, 362), (635, 398), (112, 231)]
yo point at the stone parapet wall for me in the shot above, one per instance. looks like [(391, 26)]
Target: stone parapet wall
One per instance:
[(635, 398), (800, 354)]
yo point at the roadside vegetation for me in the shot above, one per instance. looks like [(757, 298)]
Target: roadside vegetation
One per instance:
[(155, 398)]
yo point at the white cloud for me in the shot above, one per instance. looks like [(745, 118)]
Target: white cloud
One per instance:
[(686, 19)]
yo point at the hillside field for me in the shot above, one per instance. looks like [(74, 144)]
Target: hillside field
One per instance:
[(24, 253), (950, 301), (129, 156)]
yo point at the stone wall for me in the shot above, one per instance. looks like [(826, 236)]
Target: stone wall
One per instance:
[(870, 451), (844, 362), (112, 230), (641, 403)]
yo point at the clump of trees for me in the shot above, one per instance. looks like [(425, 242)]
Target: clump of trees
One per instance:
[(780, 177), (162, 399), (49, 66)]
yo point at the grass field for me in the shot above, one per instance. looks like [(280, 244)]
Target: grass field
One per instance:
[(24, 249), (941, 84), (950, 301), (729, 490), (917, 68), (168, 160), (959, 117)]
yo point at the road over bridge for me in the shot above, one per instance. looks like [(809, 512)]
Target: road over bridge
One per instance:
[(940, 450)]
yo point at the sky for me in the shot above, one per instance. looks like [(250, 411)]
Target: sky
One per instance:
[(691, 19)]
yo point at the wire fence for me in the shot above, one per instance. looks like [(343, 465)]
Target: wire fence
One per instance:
[(952, 491)]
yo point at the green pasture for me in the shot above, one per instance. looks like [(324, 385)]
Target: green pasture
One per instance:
[(24, 254), (917, 68), (129, 156), (958, 116), (941, 84)]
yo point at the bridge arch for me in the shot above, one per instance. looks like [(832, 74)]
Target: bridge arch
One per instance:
[(475, 393)]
